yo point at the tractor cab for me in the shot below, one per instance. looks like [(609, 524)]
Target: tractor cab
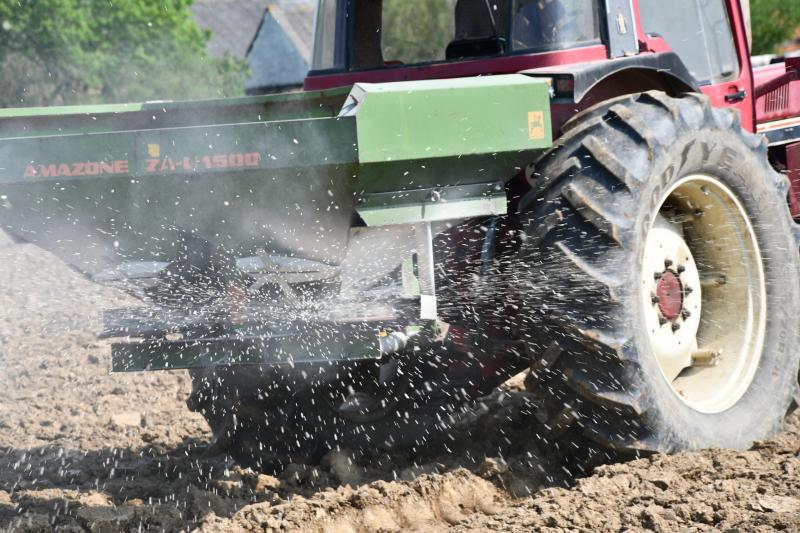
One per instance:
[(369, 34), (593, 50)]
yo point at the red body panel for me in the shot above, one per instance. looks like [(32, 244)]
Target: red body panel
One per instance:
[(718, 92), (744, 82), (793, 173), (777, 90), (457, 69)]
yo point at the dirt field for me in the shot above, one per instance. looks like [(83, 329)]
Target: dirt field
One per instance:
[(82, 450)]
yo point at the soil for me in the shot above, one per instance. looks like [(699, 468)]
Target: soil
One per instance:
[(85, 450)]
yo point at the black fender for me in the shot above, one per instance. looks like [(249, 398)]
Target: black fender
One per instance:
[(665, 71)]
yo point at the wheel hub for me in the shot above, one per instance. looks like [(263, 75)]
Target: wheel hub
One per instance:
[(669, 293), (671, 283), (705, 321)]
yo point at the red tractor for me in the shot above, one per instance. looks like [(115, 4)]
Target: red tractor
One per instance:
[(658, 233), (603, 192)]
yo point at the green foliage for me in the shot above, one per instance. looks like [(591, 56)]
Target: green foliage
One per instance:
[(88, 51), (416, 30), (774, 22)]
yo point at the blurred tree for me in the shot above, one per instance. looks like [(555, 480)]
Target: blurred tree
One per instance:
[(416, 30), (87, 51), (774, 22)]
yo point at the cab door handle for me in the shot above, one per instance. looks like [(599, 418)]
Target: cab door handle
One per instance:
[(736, 97)]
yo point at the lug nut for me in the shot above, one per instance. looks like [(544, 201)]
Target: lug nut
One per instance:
[(657, 275), (681, 269), (689, 290), (662, 320), (675, 327), (655, 299), (667, 263), (685, 314)]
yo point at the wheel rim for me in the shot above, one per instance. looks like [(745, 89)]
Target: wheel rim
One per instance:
[(704, 294)]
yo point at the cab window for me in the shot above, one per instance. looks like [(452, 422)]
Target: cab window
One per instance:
[(554, 24), (699, 31), (383, 33), (416, 32)]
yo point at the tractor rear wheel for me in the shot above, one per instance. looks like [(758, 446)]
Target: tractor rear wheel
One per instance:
[(662, 274)]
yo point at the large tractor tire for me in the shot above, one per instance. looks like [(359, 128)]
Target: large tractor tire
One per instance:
[(660, 290)]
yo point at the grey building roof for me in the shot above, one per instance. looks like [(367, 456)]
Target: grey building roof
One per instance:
[(296, 17), (279, 54), (233, 23), (274, 37)]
